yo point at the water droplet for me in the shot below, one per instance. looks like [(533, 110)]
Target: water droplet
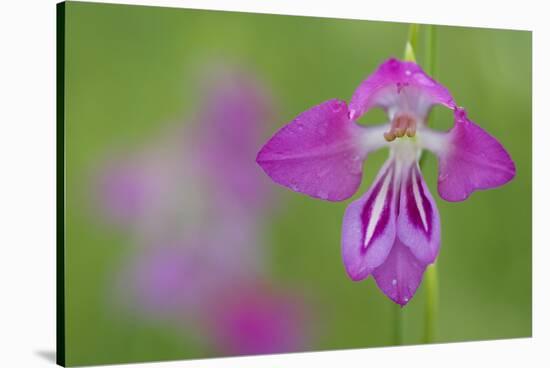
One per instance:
[(336, 106), (405, 299), (322, 173), (422, 79), (323, 128), (354, 167), (294, 186), (323, 194), (407, 72), (394, 282)]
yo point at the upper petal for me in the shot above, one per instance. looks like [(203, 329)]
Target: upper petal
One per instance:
[(399, 86), (471, 159), (319, 153), (399, 276), (369, 226), (418, 225)]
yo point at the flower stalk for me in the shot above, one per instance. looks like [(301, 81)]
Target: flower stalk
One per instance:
[(412, 43), (398, 331), (431, 308), (430, 321)]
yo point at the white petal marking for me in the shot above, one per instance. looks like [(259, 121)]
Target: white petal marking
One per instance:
[(418, 200), (378, 207)]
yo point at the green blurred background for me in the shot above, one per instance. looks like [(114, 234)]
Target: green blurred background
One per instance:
[(126, 73)]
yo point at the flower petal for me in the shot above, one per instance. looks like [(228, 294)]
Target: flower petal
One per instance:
[(418, 225), (399, 85), (369, 226), (319, 153), (472, 160), (399, 276)]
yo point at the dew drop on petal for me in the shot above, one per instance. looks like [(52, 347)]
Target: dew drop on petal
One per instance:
[(323, 194), (336, 106), (322, 173), (394, 282), (294, 186), (323, 129), (354, 166), (355, 169), (422, 79)]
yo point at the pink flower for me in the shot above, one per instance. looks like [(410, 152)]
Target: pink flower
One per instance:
[(167, 280), (193, 198), (234, 111), (393, 231), (194, 201), (257, 319)]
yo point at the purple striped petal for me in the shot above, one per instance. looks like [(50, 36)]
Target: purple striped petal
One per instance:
[(418, 225), (369, 226), (400, 275), (399, 85), (319, 153), (472, 160)]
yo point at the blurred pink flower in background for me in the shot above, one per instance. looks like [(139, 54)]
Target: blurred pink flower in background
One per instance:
[(169, 280), (193, 203), (258, 320), (231, 124)]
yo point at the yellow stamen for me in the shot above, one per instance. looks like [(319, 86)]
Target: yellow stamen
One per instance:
[(401, 125)]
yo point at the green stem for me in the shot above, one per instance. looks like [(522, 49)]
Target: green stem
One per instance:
[(431, 49), (430, 57), (430, 324), (412, 43), (431, 311), (398, 326)]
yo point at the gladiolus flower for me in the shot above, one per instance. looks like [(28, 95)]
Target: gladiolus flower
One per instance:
[(393, 231)]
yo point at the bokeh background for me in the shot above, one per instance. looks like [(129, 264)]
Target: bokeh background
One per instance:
[(134, 76)]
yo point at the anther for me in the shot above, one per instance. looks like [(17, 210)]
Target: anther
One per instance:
[(389, 136), (401, 125)]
